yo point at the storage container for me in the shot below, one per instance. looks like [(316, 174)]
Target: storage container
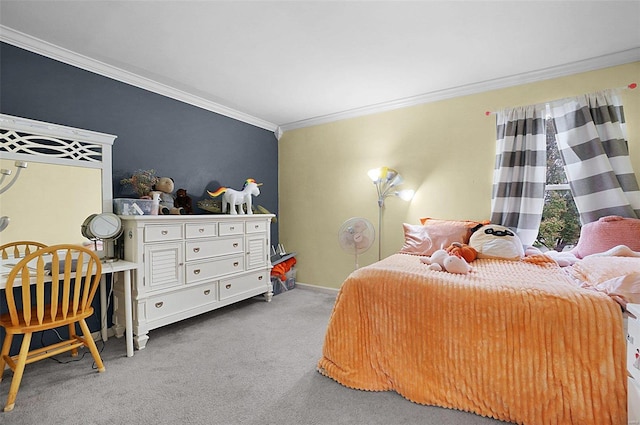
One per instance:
[(126, 206), (280, 285)]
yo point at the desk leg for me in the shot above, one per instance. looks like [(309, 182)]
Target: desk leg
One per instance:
[(103, 308), (128, 312)]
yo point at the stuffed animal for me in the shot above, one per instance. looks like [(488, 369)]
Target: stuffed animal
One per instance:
[(183, 201), (463, 250), (164, 187), (237, 198), (441, 260), (496, 241)]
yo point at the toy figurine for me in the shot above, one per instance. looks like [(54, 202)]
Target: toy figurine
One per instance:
[(234, 198)]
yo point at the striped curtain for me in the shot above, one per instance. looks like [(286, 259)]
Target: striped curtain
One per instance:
[(519, 175), (591, 136)]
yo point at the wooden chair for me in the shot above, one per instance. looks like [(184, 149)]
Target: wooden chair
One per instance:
[(74, 275), (19, 249)]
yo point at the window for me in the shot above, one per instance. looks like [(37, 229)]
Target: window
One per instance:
[(560, 226)]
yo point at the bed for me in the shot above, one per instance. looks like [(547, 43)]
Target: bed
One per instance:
[(525, 341)]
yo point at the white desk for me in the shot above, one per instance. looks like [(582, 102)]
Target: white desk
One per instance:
[(112, 268)]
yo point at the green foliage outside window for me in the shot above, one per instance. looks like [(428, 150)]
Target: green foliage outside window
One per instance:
[(560, 224)]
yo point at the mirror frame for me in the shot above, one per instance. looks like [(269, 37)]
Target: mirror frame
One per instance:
[(23, 139)]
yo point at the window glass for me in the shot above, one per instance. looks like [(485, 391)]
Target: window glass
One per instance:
[(560, 226)]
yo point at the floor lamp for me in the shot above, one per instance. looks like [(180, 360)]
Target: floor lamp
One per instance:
[(386, 179)]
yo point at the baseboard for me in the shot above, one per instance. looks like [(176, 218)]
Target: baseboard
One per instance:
[(97, 335), (323, 289)]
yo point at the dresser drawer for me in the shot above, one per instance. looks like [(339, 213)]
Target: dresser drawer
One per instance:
[(256, 226), (164, 305), (210, 269), (158, 233), (633, 341), (237, 285), (199, 249), (201, 230), (231, 228)]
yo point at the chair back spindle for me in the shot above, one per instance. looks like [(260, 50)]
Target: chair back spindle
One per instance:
[(19, 249)]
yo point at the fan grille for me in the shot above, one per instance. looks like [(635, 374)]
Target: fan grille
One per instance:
[(356, 235)]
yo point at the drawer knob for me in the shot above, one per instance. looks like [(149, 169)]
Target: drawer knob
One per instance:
[(259, 277), (256, 226), (207, 292), (236, 264), (232, 228), (228, 286), (201, 230), (235, 245), (196, 249), (196, 271), (164, 232), (159, 304)]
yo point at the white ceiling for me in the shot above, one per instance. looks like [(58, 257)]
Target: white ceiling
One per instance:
[(287, 64)]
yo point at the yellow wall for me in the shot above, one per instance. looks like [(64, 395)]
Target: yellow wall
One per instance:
[(444, 150), (48, 203)]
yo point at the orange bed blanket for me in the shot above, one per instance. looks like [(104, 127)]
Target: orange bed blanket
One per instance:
[(517, 341)]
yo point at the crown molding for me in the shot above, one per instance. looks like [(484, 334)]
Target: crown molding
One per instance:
[(27, 42), (605, 61), (36, 45)]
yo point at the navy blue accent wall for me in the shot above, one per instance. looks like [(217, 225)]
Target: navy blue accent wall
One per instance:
[(199, 149)]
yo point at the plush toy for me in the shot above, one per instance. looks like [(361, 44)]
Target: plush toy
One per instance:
[(164, 188), (463, 250), (237, 198), (183, 201), (441, 260), (496, 241)]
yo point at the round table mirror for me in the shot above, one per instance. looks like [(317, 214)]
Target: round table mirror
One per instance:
[(103, 226)]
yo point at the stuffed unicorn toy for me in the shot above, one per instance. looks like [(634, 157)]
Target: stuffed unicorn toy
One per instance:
[(234, 198)]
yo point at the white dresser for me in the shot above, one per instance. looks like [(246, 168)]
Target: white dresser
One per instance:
[(191, 264), (633, 363)]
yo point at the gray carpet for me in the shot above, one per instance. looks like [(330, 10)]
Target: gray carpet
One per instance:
[(250, 363)]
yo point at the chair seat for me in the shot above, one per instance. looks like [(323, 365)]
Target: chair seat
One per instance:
[(47, 321)]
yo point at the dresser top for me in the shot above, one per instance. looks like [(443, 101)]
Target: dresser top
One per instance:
[(195, 217)]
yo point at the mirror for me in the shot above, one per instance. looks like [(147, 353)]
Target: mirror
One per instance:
[(68, 178), (102, 226), (49, 202)]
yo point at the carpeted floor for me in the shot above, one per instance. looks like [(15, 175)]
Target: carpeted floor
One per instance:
[(250, 363)]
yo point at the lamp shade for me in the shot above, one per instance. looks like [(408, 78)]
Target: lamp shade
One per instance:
[(397, 180), (377, 174), (406, 195)]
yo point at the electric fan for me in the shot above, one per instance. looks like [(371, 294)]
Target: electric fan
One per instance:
[(356, 235)]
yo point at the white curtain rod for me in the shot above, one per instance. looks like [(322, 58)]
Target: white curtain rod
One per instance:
[(630, 86)]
